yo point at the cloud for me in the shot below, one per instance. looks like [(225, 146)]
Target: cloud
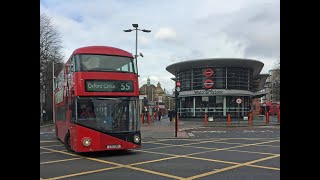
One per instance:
[(166, 34), (186, 30)]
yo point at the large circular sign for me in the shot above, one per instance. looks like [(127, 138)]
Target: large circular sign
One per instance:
[(208, 83), (239, 101), (208, 72)]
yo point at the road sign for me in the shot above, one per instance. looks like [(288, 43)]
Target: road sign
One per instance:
[(208, 83), (208, 72), (239, 101)]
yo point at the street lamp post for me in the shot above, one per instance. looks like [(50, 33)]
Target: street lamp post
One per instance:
[(136, 29), (53, 99), (53, 115), (176, 96)]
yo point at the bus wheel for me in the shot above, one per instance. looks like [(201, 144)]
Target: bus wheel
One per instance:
[(67, 142)]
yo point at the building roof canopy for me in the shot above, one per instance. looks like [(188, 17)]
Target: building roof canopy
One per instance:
[(255, 65)]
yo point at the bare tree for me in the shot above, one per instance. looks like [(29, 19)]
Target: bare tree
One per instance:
[(275, 81), (50, 52), (277, 69)]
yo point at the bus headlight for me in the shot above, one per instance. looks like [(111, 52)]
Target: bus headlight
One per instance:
[(86, 142), (136, 138)]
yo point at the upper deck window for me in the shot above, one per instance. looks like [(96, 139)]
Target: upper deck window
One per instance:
[(104, 63)]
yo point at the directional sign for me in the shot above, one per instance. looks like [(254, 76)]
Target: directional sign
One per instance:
[(208, 83), (208, 72), (239, 101)]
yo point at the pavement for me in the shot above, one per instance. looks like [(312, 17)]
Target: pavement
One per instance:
[(166, 128)]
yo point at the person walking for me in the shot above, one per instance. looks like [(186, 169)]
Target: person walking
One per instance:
[(170, 114), (159, 114)]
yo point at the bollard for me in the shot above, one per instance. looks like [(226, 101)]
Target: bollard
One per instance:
[(205, 119), (142, 118), (250, 119), (148, 118), (279, 117), (267, 118), (229, 120)]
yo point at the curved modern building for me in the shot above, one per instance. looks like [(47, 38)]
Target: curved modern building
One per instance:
[(218, 86)]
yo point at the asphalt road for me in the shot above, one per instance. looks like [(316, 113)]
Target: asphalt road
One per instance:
[(208, 153)]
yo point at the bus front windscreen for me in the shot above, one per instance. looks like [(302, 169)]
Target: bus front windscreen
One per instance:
[(104, 63), (110, 115)]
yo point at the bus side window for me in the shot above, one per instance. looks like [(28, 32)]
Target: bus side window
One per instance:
[(72, 109)]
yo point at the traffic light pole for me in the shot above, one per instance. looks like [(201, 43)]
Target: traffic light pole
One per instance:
[(176, 111), (177, 89)]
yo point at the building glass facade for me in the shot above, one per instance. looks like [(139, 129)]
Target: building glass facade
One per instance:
[(215, 78)]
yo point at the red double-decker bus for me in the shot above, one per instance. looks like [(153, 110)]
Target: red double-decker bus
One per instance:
[(96, 100)]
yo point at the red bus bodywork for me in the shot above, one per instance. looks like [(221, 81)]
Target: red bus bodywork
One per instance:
[(73, 86)]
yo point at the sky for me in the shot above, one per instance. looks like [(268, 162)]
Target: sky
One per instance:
[(180, 30)]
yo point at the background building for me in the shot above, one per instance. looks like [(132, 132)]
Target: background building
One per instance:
[(218, 86), (155, 97), (273, 86)]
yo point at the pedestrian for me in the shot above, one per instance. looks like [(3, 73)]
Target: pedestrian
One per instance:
[(170, 114), (154, 116), (159, 114)]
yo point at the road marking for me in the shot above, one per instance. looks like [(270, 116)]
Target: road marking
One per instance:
[(205, 159), (234, 163), (156, 152), (117, 166), (47, 132), (232, 150), (245, 143), (254, 152), (202, 142), (52, 145), (49, 162), (178, 145), (226, 149), (48, 141), (151, 161), (83, 173), (233, 147), (157, 173), (209, 131), (50, 152), (190, 134), (230, 167), (174, 156), (264, 167), (158, 140), (252, 131)]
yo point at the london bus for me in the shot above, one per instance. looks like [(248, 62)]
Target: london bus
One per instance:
[(96, 101)]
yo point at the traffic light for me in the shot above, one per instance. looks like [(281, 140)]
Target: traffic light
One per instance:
[(178, 84)]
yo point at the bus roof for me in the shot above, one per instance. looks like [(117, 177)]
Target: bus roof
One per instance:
[(102, 50)]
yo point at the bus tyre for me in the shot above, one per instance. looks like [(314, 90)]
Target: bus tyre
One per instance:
[(67, 142)]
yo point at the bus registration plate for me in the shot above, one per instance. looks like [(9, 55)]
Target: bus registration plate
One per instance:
[(113, 146)]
